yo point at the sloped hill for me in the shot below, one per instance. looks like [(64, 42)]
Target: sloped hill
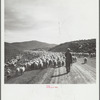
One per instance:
[(10, 51), (32, 45), (76, 46), (13, 49)]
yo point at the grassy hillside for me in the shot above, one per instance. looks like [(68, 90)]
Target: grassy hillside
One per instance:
[(13, 49), (77, 46), (10, 51), (32, 45)]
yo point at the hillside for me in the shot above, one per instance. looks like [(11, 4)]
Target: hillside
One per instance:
[(12, 49), (32, 45), (76, 46)]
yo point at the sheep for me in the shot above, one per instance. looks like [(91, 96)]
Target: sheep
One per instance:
[(74, 59), (32, 66), (40, 63), (59, 63), (85, 54), (44, 62), (20, 70), (54, 63), (93, 55), (36, 65), (50, 62), (47, 63), (17, 70), (85, 60), (6, 65), (26, 66), (8, 73), (63, 62)]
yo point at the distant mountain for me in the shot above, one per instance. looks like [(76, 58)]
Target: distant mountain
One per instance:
[(32, 45), (77, 46), (12, 49)]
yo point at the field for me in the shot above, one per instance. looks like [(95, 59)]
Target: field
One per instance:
[(34, 62), (80, 74)]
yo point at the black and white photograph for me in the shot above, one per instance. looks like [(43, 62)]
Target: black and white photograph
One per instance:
[(50, 41), (50, 50)]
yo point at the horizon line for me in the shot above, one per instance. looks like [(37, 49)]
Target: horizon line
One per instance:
[(47, 42)]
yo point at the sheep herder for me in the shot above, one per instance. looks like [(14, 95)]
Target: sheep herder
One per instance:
[(68, 60)]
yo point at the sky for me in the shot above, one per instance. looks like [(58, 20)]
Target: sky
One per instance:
[(50, 21)]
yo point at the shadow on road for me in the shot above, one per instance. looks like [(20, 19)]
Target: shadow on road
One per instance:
[(59, 75), (83, 63)]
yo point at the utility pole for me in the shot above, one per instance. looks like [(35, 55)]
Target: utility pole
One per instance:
[(59, 28)]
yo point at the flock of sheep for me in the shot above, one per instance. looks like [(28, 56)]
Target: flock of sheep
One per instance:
[(47, 59), (84, 54)]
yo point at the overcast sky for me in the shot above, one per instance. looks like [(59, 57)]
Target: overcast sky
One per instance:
[(51, 21)]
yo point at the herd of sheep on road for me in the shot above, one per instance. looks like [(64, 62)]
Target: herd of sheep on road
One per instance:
[(47, 59)]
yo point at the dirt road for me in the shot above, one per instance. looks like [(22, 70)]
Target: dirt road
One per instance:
[(80, 74)]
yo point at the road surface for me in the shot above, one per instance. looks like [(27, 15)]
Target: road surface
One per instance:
[(79, 74)]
